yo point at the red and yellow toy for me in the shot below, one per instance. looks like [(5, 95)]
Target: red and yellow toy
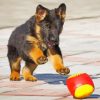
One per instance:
[(80, 85)]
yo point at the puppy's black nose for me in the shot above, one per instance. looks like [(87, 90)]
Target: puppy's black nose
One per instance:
[(52, 39)]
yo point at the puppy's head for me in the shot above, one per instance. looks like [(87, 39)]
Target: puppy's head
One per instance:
[(51, 23)]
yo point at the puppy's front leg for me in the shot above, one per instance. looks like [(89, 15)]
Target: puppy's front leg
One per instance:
[(57, 61)]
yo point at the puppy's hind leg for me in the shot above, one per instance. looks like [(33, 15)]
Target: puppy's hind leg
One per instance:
[(28, 71), (14, 61)]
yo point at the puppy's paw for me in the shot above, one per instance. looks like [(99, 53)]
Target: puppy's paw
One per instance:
[(15, 76), (63, 71), (42, 60), (30, 78)]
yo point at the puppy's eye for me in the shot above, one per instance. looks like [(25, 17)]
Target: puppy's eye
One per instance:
[(48, 25)]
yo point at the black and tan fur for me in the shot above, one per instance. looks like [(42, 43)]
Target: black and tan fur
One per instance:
[(35, 41)]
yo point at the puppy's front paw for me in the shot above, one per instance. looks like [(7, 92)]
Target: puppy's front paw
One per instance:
[(30, 78), (63, 71), (42, 60)]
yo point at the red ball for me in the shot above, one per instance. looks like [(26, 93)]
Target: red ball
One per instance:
[(80, 85)]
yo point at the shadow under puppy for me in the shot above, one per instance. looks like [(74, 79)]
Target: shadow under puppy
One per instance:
[(35, 41)]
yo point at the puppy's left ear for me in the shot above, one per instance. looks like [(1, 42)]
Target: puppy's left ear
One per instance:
[(61, 11)]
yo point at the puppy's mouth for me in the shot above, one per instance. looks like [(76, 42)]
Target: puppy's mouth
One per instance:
[(51, 44)]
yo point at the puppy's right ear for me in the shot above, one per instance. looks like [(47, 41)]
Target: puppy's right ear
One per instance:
[(61, 11), (41, 13)]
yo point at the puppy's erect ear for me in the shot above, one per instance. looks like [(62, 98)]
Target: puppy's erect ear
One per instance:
[(41, 13), (61, 11)]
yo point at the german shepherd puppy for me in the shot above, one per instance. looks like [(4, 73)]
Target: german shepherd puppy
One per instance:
[(35, 41)]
